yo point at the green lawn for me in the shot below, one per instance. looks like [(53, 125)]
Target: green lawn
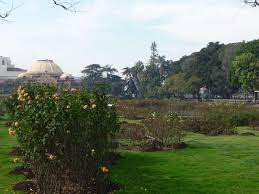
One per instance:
[(223, 165), (6, 165)]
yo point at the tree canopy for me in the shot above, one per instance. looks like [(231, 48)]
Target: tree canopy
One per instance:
[(245, 70), (222, 69)]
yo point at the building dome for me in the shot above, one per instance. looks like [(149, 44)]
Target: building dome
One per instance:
[(66, 76), (23, 75), (45, 67)]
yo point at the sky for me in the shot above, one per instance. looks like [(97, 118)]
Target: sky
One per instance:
[(120, 32)]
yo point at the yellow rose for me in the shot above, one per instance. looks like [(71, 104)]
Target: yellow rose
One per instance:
[(12, 132), (93, 106), (104, 169), (73, 90), (16, 124), (51, 157), (15, 160), (22, 92)]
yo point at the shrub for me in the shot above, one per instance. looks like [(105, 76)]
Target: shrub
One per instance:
[(210, 124), (65, 134), (243, 118), (167, 129), (132, 131)]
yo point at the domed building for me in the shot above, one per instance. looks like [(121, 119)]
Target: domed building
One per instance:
[(45, 67), (45, 71)]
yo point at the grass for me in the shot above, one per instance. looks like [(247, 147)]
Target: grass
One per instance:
[(223, 165), (6, 164)]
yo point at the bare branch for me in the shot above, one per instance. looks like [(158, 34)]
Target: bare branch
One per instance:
[(253, 3), (7, 13), (67, 5)]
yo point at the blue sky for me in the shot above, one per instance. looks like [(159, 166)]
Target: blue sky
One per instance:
[(120, 32)]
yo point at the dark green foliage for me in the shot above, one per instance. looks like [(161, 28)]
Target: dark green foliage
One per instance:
[(210, 67), (96, 74), (244, 69), (243, 118), (249, 47)]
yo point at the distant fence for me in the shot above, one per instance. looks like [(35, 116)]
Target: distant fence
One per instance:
[(232, 100)]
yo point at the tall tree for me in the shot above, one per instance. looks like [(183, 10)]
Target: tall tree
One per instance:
[(96, 74), (92, 75), (134, 80), (245, 70)]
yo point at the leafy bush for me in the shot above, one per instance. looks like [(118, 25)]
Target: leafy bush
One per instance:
[(167, 129), (210, 124), (243, 118), (66, 136)]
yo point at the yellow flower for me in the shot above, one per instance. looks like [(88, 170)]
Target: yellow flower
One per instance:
[(12, 132), (85, 106), (22, 92), (93, 106), (56, 97), (20, 87), (73, 90), (16, 124), (104, 169), (51, 157), (37, 97), (15, 160)]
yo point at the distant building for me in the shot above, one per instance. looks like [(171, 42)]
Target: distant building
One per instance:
[(46, 71), (8, 70)]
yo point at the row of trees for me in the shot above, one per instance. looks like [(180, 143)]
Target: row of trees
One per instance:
[(222, 69), (139, 81)]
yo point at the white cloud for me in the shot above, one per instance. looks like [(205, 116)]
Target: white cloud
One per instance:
[(196, 21)]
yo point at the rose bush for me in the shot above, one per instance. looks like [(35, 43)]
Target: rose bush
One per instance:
[(66, 136), (167, 129)]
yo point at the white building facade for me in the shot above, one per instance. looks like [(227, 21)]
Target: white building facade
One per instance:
[(8, 70)]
